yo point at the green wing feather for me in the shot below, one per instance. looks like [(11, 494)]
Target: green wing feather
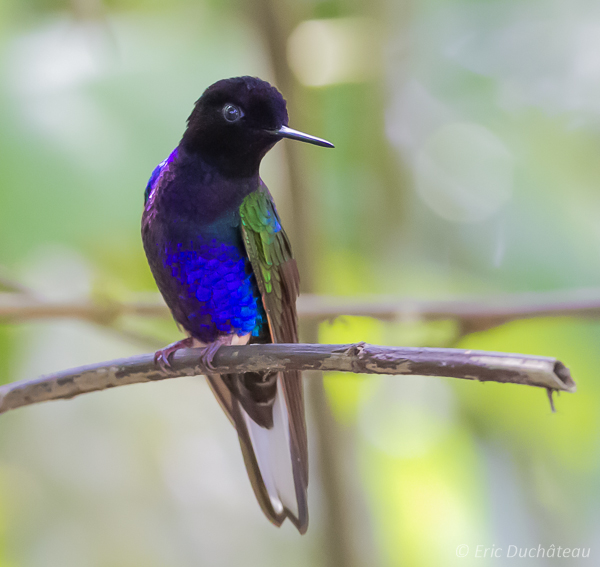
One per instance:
[(276, 272), (274, 266)]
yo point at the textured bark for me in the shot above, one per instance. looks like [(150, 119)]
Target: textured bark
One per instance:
[(361, 358)]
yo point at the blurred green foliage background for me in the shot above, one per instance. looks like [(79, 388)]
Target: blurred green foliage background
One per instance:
[(467, 139)]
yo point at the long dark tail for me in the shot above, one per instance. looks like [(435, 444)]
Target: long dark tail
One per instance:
[(268, 413)]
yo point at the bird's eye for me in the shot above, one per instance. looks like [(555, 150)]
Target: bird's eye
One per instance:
[(232, 113)]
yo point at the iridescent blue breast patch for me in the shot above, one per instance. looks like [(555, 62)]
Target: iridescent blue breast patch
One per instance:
[(218, 289)]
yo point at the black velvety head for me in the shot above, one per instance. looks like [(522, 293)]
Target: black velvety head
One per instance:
[(233, 124)]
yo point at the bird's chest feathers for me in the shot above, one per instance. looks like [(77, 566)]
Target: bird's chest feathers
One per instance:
[(194, 243), (216, 289), (193, 194)]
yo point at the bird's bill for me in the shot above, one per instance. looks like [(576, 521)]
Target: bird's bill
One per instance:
[(285, 132)]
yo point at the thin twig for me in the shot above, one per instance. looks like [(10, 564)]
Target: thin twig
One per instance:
[(359, 358), (10, 284)]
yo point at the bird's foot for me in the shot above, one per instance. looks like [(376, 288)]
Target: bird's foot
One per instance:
[(209, 351), (162, 356)]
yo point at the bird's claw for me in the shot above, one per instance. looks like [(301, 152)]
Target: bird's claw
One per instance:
[(162, 357), (162, 361), (208, 354)]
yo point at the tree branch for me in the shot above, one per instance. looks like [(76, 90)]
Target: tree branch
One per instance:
[(473, 314), (20, 307), (361, 358)]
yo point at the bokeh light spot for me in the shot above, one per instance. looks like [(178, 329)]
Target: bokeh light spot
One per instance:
[(464, 173)]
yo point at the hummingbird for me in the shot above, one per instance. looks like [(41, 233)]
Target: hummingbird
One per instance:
[(225, 268)]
